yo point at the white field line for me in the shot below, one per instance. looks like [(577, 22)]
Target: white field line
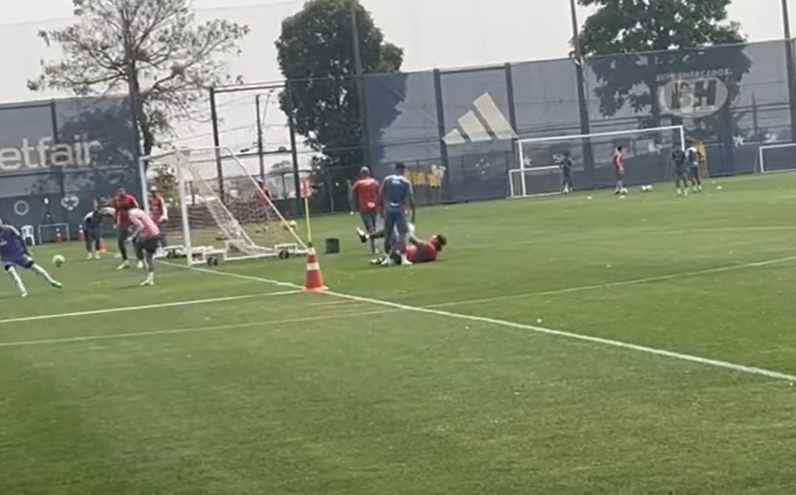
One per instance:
[(174, 304), (548, 331), (621, 283), (176, 331)]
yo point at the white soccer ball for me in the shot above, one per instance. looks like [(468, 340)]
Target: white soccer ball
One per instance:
[(649, 188), (58, 260), (623, 191)]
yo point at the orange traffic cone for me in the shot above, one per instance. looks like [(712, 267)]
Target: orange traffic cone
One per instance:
[(81, 236), (314, 280), (58, 238)]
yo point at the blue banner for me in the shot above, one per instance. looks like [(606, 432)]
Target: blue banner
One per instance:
[(58, 157)]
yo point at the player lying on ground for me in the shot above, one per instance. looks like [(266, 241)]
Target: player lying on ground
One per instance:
[(396, 195), (92, 223), (14, 253), (146, 239), (365, 198), (418, 251), (679, 160), (693, 160)]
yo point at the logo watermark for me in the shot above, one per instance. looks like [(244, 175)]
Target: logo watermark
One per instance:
[(693, 95), (46, 154)]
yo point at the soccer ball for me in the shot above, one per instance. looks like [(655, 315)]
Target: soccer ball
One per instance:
[(646, 188), (58, 260), (623, 191)]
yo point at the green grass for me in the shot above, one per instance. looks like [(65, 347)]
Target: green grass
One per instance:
[(304, 394)]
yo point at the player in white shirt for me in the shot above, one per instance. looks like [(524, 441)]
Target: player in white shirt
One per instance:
[(146, 238), (693, 168)]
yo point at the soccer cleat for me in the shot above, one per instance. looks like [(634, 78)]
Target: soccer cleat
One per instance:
[(124, 266), (387, 261), (24, 294), (91, 257), (147, 283), (405, 261), (56, 284), (363, 236)]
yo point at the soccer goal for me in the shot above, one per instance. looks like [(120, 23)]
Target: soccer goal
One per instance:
[(214, 218), (776, 158), (647, 151)]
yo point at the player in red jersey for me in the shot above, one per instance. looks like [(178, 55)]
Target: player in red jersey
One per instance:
[(158, 211), (262, 202), (618, 163), (122, 204), (417, 250), (366, 199)]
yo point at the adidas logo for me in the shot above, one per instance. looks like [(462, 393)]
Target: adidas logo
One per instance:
[(485, 123)]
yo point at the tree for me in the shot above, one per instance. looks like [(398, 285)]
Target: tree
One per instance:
[(316, 56), (656, 38), (153, 50)]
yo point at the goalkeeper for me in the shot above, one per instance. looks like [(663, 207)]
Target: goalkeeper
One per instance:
[(417, 250)]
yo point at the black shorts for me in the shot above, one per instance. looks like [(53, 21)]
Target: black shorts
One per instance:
[(149, 245)]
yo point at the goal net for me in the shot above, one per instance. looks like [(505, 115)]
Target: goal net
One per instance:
[(647, 151), (777, 158), (216, 210)]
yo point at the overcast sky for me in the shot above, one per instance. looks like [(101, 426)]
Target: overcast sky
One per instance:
[(434, 33)]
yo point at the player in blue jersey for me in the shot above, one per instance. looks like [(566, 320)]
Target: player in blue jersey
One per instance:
[(14, 253), (679, 160), (396, 195)]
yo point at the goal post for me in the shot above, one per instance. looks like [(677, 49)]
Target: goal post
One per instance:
[(217, 211), (777, 158), (648, 153)]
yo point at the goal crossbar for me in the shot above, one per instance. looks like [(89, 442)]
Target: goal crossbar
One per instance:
[(260, 231)]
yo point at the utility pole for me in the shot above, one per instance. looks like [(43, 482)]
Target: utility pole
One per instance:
[(260, 145)]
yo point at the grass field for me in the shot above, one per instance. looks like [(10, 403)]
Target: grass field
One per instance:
[(562, 346)]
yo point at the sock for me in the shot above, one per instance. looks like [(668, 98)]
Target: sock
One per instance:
[(42, 273), (372, 245), (123, 250), (18, 281)]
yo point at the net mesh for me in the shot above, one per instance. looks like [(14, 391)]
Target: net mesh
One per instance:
[(777, 158), (647, 151), (219, 209)]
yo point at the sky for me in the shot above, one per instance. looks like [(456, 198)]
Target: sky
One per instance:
[(433, 33)]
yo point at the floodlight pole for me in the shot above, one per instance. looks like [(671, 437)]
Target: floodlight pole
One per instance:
[(360, 82), (583, 102), (790, 65)]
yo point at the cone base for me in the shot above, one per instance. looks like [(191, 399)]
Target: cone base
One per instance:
[(316, 289)]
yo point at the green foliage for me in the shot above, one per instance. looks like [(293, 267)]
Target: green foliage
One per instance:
[(630, 26), (316, 53), (166, 183), (656, 38), (152, 50)]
